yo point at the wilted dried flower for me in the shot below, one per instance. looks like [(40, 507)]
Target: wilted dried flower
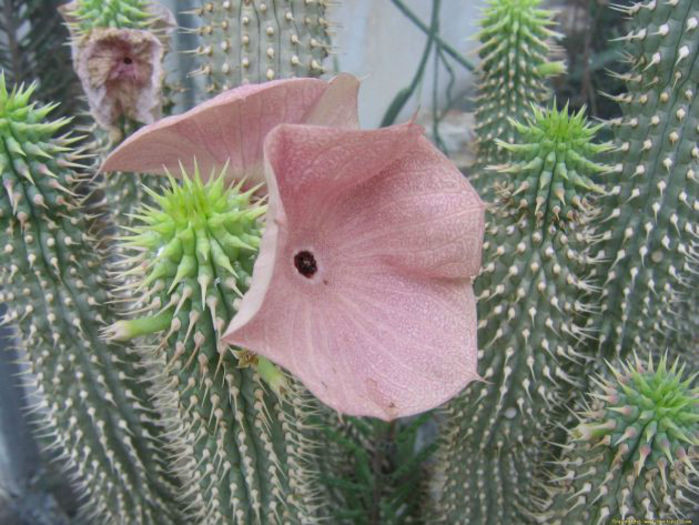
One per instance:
[(118, 56), (121, 73)]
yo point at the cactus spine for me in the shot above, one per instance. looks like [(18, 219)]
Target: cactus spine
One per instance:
[(93, 406), (649, 237), (532, 306), (246, 41), (237, 418), (514, 66), (631, 455)]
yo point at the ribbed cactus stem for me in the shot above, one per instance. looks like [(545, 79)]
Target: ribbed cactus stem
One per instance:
[(533, 298), (515, 50), (633, 455), (650, 236), (239, 421), (93, 405), (254, 41)]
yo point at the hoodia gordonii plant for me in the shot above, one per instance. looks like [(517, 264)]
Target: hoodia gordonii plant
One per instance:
[(94, 406), (515, 63), (631, 456), (533, 296), (245, 41), (362, 282), (239, 423), (649, 234)]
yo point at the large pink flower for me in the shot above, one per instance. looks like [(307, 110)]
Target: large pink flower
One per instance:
[(362, 287), (231, 128)]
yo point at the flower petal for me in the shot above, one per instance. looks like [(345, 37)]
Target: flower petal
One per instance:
[(383, 323), (231, 127), (338, 105)]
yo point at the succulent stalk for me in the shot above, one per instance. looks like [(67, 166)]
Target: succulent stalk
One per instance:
[(246, 41), (515, 50), (649, 234), (534, 296), (94, 405)]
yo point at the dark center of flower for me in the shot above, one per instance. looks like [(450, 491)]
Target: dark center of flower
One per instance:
[(305, 263), (127, 60)]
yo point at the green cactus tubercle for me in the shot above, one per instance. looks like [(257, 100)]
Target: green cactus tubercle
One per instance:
[(551, 164), (634, 452)]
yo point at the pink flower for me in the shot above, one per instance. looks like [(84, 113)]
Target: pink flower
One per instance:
[(362, 287), (231, 127)]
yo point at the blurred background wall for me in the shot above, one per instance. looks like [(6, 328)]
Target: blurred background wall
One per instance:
[(378, 43)]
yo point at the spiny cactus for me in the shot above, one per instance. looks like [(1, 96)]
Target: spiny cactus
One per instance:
[(94, 407), (650, 230), (253, 41), (239, 421), (633, 455), (163, 423), (533, 293), (515, 50)]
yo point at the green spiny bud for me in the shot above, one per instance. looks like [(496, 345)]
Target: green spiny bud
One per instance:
[(196, 238), (118, 14), (551, 169), (634, 454), (33, 159)]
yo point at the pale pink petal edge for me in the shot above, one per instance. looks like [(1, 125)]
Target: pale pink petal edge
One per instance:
[(336, 106)]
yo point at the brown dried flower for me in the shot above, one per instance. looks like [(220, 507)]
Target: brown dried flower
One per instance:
[(121, 73)]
